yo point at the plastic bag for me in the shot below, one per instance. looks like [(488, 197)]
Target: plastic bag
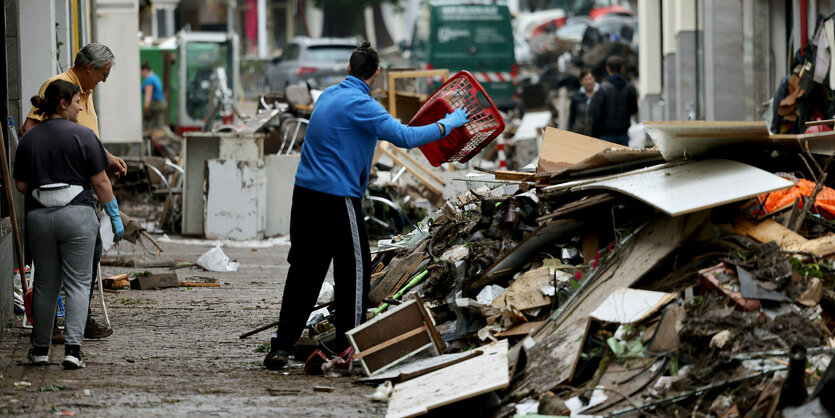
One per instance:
[(216, 260)]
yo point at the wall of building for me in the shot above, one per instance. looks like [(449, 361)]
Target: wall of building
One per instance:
[(7, 265), (118, 100), (720, 60)]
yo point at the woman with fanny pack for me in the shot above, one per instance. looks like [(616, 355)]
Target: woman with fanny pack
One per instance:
[(57, 166)]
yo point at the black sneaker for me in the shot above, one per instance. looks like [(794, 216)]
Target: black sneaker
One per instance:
[(57, 334), (38, 356), (92, 330), (276, 359), (72, 358)]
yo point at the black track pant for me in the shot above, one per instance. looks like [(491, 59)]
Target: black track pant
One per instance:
[(324, 227)]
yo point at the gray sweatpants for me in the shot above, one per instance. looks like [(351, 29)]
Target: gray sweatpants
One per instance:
[(62, 241)]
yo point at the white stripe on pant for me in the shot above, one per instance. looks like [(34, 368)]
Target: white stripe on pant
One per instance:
[(355, 239)]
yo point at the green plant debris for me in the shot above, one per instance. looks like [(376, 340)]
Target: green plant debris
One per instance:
[(263, 348), (52, 388)]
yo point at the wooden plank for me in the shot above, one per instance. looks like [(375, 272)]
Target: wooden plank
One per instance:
[(426, 182), (397, 269), (767, 231), (418, 164), (389, 343), (406, 277), (464, 380), (820, 247), (553, 360), (419, 367), (157, 281), (513, 175), (520, 330), (430, 326)]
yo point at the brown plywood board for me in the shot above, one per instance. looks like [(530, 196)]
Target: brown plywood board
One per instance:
[(679, 140), (464, 380), (562, 149)]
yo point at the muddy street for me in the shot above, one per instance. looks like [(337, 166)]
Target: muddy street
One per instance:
[(176, 351)]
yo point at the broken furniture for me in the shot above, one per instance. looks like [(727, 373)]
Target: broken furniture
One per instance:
[(198, 148), (165, 179), (390, 338), (403, 105)]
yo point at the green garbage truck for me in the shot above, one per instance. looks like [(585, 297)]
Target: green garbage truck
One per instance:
[(473, 36)]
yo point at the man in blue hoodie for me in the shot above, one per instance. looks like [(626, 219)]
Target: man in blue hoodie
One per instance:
[(614, 104), (326, 218)]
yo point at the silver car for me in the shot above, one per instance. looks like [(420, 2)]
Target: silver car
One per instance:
[(319, 62)]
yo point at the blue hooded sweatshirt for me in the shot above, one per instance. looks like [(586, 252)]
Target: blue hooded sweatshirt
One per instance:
[(342, 136)]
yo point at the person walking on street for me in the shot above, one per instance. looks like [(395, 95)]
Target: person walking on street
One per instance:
[(614, 104), (59, 164), (92, 65), (153, 102), (326, 217), (579, 112)]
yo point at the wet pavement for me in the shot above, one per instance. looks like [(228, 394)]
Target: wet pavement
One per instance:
[(176, 351)]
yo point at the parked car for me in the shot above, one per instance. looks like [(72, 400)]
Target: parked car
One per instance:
[(319, 62)]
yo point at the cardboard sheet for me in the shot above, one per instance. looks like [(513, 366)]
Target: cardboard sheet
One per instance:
[(562, 149)]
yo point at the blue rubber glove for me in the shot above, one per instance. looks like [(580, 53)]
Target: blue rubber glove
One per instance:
[(453, 120), (112, 210)]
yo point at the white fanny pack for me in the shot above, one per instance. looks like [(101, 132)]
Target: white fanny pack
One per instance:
[(56, 194)]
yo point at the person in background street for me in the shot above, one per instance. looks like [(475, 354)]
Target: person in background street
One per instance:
[(614, 104), (326, 218), (59, 164), (153, 102), (579, 112), (92, 65)]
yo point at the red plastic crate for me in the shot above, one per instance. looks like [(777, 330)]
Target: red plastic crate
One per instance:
[(484, 123)]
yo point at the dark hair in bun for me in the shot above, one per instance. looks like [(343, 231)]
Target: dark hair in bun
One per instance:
[(364, 61), (49, 103)]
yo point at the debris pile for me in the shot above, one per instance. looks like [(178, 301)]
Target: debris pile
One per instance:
[(618, 281)]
